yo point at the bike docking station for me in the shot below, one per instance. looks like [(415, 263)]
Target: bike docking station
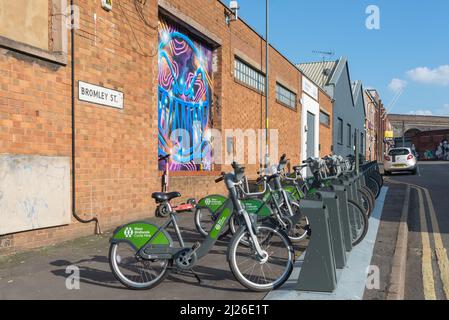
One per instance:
[(318, 269), (333, 267), (333, 224)]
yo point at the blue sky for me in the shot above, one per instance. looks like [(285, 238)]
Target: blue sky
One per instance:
[(409, 53)]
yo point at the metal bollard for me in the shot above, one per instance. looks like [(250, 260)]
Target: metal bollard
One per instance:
[(331, 202), (318, 271)]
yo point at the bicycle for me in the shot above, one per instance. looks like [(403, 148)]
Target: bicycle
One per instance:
[(285, 210), (358, 218), (256, 247), (338, 165)]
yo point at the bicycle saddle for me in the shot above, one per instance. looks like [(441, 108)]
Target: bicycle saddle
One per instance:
[(162, 197)]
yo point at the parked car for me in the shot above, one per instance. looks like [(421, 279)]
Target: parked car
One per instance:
[(400, 160)]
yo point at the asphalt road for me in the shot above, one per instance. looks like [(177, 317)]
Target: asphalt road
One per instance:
[(427, 275)]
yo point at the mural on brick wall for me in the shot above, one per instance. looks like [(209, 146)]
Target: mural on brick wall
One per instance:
[(184, 100)]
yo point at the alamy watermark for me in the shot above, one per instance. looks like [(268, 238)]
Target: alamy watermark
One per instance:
[(72, 282), (373, 278), (372, 22), (245, 146)]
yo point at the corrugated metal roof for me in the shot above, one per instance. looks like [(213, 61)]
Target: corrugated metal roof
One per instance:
[(315, 71)]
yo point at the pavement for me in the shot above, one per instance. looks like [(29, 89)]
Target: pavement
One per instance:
[(43, 273)]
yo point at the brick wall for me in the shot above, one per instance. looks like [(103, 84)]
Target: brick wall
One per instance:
[(116, 150)]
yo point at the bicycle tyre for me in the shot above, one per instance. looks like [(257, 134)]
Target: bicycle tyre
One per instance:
[(378, 177), (374, 186), (367, 203), (285, 245), (114, 259), (371, 194), (360, 232)]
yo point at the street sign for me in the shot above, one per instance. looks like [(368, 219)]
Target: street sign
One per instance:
[(100, 95)]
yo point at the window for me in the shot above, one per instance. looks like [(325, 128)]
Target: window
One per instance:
[(399, 152), (325, 118), (37, 28), (340, 131), (251, 77), (285, 96), (349, 135)]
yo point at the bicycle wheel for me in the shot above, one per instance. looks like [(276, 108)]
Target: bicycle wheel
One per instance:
[(359, 222), (133, 271), (374, 186), (367, 203), (205, 220), (261, 274), (371, 194), (299, 231), (379, 178)]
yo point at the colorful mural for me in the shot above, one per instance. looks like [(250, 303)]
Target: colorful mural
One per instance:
[(184, 100)]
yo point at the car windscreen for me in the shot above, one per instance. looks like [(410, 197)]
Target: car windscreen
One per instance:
[(399, 152)]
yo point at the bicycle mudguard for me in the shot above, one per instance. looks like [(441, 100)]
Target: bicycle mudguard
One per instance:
[(212, 202), (140, 233)]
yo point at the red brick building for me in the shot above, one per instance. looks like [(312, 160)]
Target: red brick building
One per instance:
[(116, 145)]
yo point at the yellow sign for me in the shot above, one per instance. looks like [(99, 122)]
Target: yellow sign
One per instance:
[(389, 134)]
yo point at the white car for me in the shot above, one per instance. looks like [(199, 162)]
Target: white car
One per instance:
[(400, 160)]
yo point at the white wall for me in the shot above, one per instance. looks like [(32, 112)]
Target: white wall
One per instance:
[(34, 192)]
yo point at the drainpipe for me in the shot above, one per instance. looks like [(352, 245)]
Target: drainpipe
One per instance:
[(72, 52)]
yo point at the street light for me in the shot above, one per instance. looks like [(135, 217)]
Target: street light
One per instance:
[(267, 84)]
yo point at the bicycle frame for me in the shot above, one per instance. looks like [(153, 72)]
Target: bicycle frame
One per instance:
[(150, 251)]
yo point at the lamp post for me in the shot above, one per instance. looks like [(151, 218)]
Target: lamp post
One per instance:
[(267, 84)]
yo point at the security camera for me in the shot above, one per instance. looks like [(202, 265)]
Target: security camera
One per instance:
[(234, 6)]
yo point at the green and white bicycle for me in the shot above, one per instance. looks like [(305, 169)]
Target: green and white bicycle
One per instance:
[(260, 254)]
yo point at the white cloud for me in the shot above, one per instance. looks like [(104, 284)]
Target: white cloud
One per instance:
[(397, 85), (444, 111), (421, 113), (438, 76)]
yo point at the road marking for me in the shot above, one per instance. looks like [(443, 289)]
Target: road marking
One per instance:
[(399, 268), (440, 250), (443, 262), (427, 272)]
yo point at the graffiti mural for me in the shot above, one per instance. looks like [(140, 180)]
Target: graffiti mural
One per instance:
[(184, 100)]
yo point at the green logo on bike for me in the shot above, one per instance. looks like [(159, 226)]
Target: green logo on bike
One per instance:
[(128, 232), (220, 223)]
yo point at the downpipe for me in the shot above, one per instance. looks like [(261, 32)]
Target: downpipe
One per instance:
[(75, 215)]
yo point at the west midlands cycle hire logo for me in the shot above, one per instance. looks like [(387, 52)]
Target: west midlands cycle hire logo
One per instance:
[(128, 232), (208, 201)]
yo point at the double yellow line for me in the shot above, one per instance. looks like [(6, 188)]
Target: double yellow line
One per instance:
[(440, 251)]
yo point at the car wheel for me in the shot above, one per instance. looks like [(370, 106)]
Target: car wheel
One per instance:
[(387, 173), (414, 172)]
